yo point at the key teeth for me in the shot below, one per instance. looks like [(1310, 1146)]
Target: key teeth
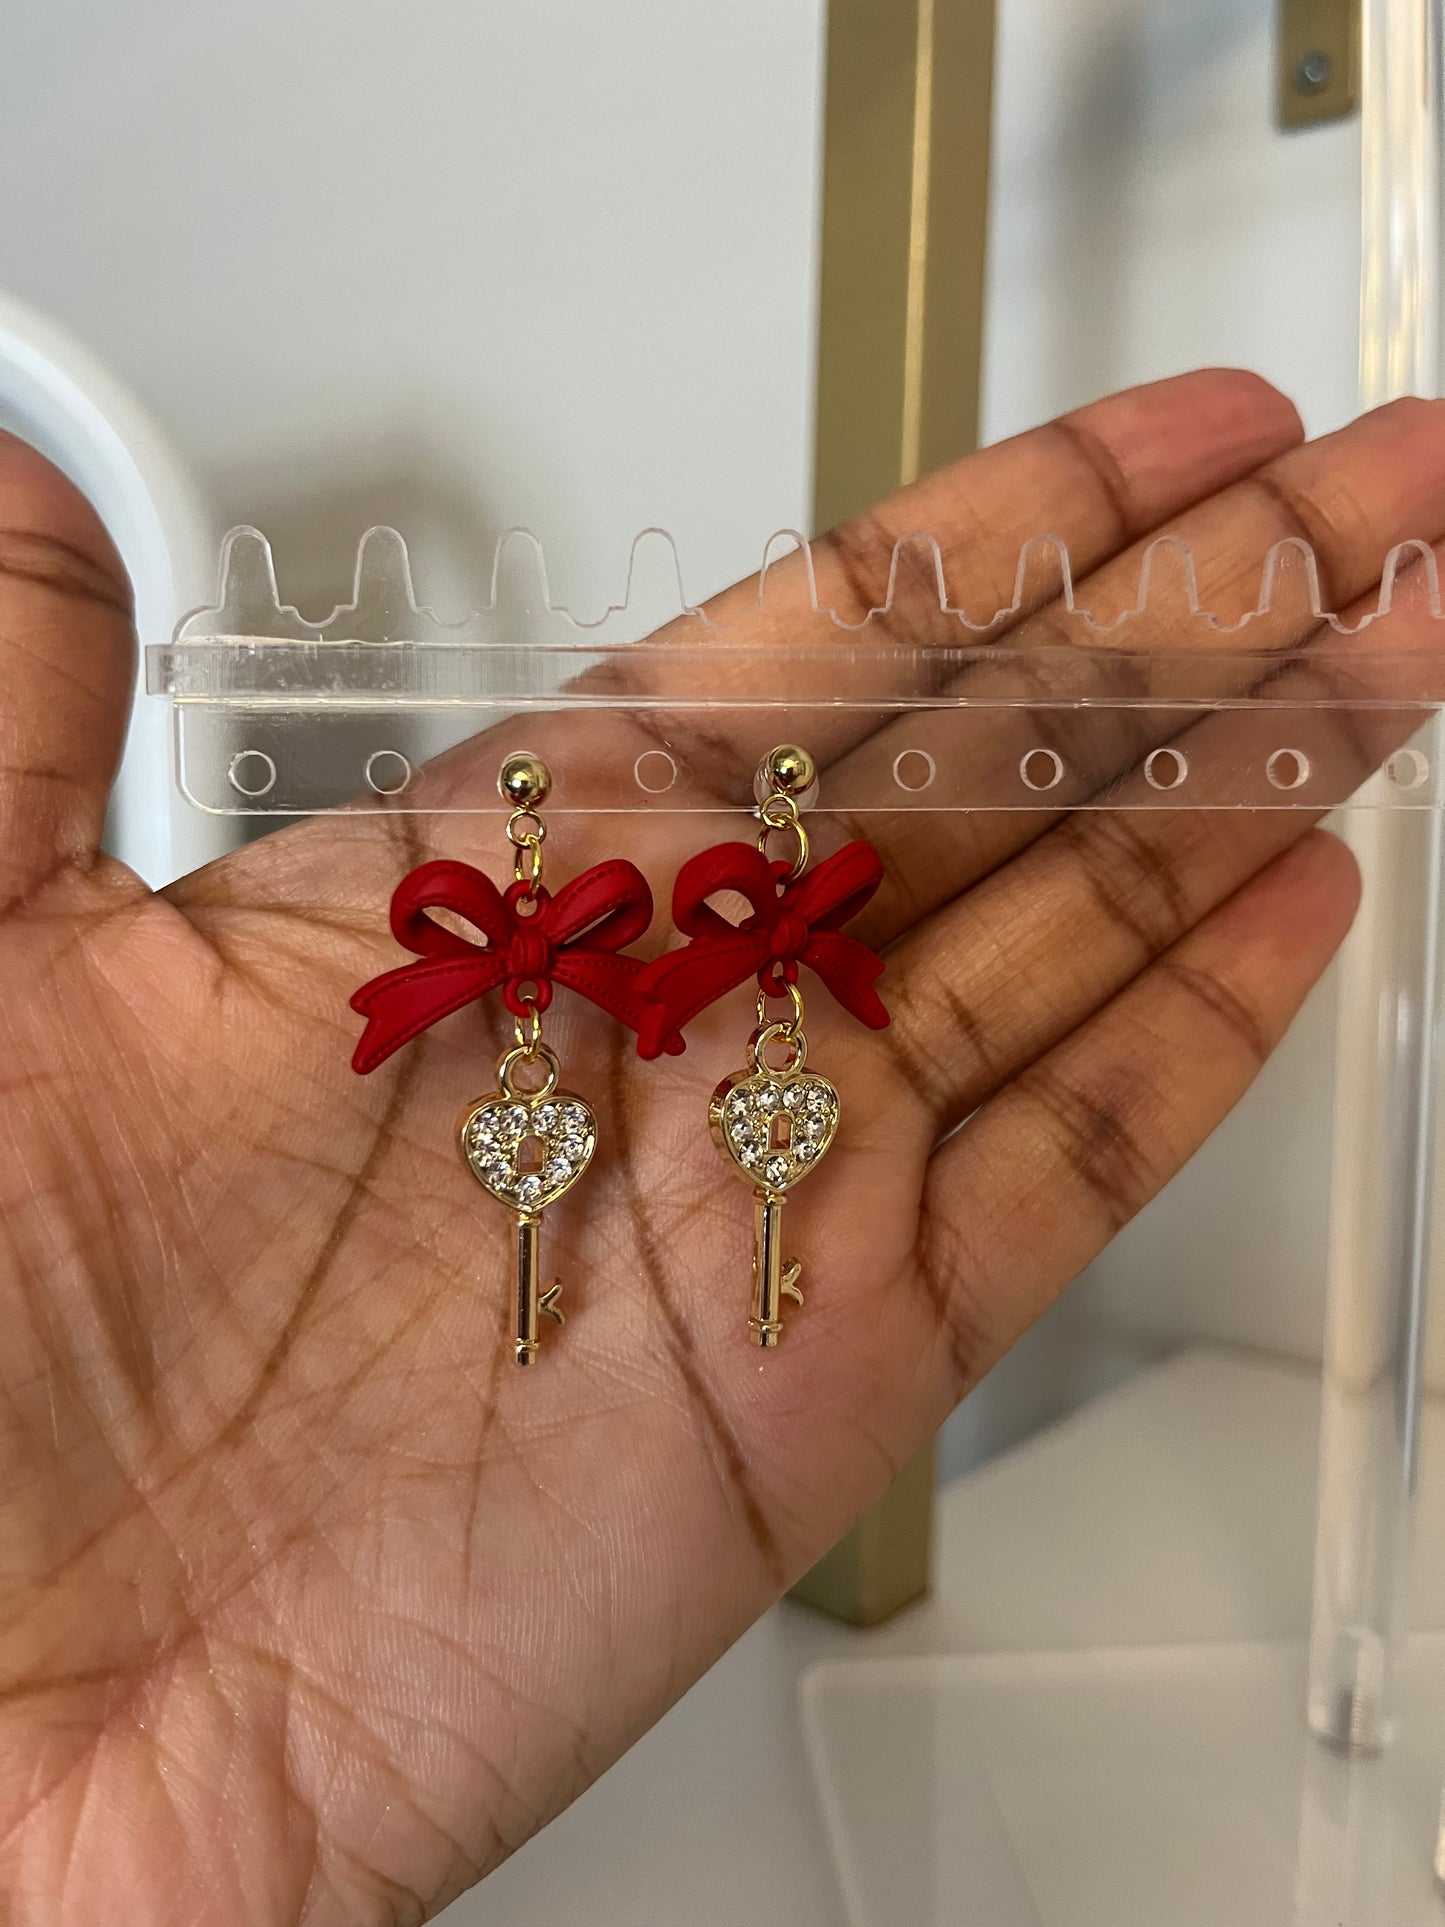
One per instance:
[(549, 1306), (790, 1286)]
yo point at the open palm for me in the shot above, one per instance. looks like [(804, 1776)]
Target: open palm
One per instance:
[(313, 1607)]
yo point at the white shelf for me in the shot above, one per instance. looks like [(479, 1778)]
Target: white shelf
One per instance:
[(1132, 1788), (1178, 1510)]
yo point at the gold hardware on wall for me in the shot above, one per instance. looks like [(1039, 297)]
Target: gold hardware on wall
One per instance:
[(1317, 61), (900, 341)]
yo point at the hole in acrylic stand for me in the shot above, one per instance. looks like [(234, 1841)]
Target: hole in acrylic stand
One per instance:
[(1165, 769), (655, 771), (1288, 769), (921, 770), (1408, 769), (387, 772), (251, 773), (1041, 769)]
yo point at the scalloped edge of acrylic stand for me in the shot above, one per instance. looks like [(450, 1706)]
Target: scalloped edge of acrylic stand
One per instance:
[(384, 607)]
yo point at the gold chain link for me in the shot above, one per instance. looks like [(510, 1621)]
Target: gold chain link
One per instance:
[(528, 1032), (527, 832), (780, 813), (789, 1029), (788, 1034), (793, 1023), (543, 1055)]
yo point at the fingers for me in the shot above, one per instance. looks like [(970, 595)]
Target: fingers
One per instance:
[(986, 987), (1352, 495), (987, 983), (1099, 479), (1038, 1181), (66, 664), (930, 854)]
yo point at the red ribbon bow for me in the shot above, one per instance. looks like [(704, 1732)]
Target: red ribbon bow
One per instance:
[(792, 923), (610, 905)]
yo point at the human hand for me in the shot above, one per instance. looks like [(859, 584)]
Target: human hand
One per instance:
[(313, 1609)]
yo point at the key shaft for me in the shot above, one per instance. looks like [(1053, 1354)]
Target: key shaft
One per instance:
[(773, 1277), (533, 1302)]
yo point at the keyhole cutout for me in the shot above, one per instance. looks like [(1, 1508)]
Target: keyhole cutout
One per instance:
[(780, 1131), (531, 1154)]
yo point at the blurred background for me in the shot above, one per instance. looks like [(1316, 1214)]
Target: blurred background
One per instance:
[(458, 266)]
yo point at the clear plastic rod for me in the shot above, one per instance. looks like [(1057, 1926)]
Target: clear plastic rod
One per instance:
[(1388, 984)]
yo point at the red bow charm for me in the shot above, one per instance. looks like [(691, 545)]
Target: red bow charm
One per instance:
[(609, 905), (793, 922)]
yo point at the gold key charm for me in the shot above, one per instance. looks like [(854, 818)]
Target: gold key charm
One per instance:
[(773, 1126), (527, 1148), (773, 1121)]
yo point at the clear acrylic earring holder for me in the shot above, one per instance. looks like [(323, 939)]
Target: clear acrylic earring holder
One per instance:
[(277, 716), (1035, 708)]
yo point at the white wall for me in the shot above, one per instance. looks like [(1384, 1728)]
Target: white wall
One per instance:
[(1149, 218), (438, 263)]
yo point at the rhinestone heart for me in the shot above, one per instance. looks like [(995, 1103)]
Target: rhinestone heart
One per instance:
[(776, 1125), (528, 1150)]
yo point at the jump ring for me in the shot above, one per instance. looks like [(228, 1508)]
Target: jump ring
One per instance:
[(793, 823), (795, 1040), (544, 1055), (527, 866), (795, 997), (528, 1031), (535, 830)]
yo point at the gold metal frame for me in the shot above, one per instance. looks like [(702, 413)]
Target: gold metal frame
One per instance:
[(904, 223), (900, 348)]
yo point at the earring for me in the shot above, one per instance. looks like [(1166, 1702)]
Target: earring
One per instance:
[(526, 1143), (774, 1122)]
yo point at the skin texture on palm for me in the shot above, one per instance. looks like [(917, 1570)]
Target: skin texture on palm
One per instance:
[(313, 1608)]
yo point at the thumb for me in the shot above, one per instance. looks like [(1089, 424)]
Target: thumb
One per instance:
[(67, 660)]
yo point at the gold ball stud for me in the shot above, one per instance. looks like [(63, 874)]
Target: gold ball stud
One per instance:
[(790, 769), (524, 780)]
